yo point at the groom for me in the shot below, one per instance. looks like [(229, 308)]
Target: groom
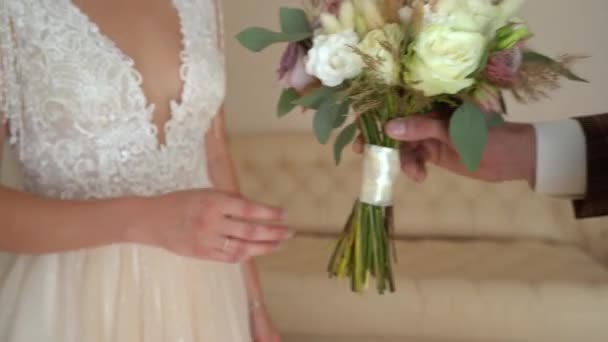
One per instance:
[(566, 158)]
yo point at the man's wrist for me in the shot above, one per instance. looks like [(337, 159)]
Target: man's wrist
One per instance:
[(522, 147)]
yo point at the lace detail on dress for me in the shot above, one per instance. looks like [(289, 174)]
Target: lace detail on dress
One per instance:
[(10, 100), (77, 111)]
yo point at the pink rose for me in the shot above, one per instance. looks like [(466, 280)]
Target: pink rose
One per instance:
[(292, 71)]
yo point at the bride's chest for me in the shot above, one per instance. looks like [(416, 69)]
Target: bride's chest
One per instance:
[(77, 84)]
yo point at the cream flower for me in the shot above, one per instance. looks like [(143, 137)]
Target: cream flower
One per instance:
[(332, 58), (443, 60), (372, 45), (473, 15), (468, 15)]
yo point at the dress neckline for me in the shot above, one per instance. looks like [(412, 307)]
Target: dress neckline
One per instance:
[(175, 105)]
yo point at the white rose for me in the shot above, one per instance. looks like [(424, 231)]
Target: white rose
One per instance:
[(473, 15), (443, 60), (508, 10), (468, 15), (372, 45), (332, 58)]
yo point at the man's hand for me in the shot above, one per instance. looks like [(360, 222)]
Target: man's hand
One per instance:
[(510, 152)]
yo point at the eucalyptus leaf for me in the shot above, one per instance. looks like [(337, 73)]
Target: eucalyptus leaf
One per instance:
[(294, 20), (286, 105), (342, 114), (324, 119), (257, 39), (316, 98), (535, 57), (344, 138), (469, 133)]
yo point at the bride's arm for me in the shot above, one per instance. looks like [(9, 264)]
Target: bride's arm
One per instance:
[(32, 224), (222, 175), (193, 223)]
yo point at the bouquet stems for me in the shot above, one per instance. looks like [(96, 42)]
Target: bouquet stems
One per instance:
[(365, 249)]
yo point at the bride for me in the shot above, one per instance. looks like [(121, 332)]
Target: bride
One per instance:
[(129, 228)]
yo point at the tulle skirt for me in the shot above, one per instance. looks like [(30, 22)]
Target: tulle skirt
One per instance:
[(121, 293)]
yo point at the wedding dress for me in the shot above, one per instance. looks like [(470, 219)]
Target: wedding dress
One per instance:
[(81, 128)]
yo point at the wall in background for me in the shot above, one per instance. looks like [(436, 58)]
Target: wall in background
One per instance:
[(561, 26)]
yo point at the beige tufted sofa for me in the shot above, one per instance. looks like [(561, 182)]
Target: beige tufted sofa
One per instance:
[(477, 262)]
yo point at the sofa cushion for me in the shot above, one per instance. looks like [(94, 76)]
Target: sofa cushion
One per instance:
[(469, 290), (295, 171)]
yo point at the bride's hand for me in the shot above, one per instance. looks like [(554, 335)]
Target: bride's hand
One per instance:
[(210, 224), (262, 328)]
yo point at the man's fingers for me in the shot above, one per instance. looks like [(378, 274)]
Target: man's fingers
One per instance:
[(412, 162), (418, 129), (432, 151), (358, 144)]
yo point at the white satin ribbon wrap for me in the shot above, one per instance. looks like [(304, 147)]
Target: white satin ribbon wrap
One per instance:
[(380, 171)]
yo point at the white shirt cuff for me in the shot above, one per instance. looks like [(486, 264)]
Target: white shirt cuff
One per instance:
[(561, 159)]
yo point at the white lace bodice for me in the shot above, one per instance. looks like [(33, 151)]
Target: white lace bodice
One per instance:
[(79, 120)]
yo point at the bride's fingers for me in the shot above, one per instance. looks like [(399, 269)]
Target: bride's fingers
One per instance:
[(219, 256), (231, 250), (242, 208), (239, 250), (255, 232)]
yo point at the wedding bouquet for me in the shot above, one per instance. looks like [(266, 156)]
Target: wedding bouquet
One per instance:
[(372, 61)]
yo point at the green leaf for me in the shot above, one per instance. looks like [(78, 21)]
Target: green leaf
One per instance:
[(325, 117), (257, 39), (508, 36), (316, 98), (384, 113), (469, 133), (342, 113), (344, 138), (535, 57), (294, 20), (286, 105), (494, 120)]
